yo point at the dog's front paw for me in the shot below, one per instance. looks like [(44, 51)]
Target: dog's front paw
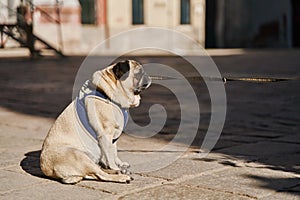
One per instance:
[(125, 171), (124, 168), (124, 165), (125, 178)]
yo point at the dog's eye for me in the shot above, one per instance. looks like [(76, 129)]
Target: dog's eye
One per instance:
[(137, 71)]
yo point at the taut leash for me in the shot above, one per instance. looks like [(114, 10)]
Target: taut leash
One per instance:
[(227, 79)]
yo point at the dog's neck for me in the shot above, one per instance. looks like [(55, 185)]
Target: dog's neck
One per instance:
[(101, 93), (99, 90), (124, 101)]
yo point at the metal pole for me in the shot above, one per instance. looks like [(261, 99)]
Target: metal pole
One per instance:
[(59, 30), (220, 25), (10, 5), (106, 26), (2, 40)]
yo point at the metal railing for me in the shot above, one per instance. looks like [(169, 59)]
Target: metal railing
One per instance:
[(21, 30)]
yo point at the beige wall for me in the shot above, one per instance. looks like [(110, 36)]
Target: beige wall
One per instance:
[(119, 13), (67, 35), (198, 20), (158, 13)]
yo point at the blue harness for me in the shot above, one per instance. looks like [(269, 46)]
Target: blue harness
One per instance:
[(82, 114)]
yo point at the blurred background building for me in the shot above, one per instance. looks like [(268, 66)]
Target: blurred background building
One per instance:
[(252, 23), (212, 23)]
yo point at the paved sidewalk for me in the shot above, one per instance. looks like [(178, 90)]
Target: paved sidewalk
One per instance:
[(256, 157)]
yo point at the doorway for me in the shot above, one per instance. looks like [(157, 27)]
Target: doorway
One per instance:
[(88, 14), (296, 22)]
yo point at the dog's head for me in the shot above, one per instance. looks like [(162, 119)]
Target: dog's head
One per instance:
[(123, 82)]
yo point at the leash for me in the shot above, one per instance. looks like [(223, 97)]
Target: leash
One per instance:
[(227, 79)]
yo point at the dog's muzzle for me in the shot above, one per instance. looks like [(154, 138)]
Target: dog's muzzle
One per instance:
[(144, 83)]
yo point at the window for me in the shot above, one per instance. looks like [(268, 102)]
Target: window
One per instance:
[(185, 11), (87, 11), (137, 11)]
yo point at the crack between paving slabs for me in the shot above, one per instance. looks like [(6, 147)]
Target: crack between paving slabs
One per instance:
[(92, 188), (154, 185), (24, 188), (151, 176), (224, 191), (176, 181)]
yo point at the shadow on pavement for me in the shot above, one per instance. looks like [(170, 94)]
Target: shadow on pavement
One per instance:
[(290, 184), (31, 164), (37, 87)]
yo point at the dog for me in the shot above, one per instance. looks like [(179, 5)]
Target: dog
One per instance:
[(82, 143)]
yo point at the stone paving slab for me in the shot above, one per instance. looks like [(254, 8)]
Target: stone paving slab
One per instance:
[(253, 134), (262, 149), (294, 139), (288, 162), (180, 166), (122, 189), (55, 191), (171, 191), (247, 181), (281, 196)]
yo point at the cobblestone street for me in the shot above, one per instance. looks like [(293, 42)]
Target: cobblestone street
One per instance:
[(256, 157)]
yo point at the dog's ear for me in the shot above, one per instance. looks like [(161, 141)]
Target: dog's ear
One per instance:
[(121, 69)]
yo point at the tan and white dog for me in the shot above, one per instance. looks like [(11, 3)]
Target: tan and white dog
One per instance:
[(83, 137)]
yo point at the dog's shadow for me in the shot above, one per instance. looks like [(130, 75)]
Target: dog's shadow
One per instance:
[(31, 164)]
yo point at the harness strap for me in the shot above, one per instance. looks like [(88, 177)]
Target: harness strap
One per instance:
[(82, 113)]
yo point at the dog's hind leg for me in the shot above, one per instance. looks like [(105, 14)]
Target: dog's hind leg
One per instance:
[(77, 165), (98, 174), (72, 179)]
